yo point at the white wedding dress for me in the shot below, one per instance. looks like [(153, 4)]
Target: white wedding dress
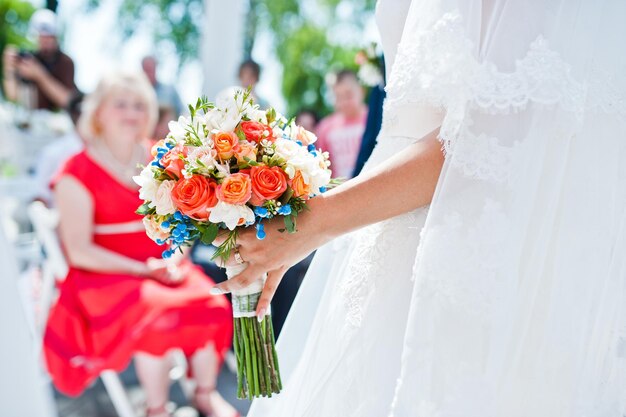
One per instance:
[(507, 297)]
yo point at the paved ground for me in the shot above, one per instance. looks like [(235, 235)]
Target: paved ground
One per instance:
[(95, 403)]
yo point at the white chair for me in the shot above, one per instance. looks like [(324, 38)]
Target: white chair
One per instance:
[(54, 268)]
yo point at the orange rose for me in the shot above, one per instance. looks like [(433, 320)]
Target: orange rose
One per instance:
[(173, 162), (235, 189), (256, 132), (195, 196), (226, 144), (246, 150), (299, 187), (267, 183)]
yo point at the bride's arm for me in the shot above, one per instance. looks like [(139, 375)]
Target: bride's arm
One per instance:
[(402, 183)]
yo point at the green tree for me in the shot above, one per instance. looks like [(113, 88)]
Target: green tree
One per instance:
[(14, 17), (308, 45), (309, 37)]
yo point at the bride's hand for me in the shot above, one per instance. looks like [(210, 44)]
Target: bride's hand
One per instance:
[(276, 253)]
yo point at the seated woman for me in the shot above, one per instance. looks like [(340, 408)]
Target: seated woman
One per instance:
[(120, 299)]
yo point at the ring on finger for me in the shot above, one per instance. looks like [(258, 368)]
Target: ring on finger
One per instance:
[(238, 257)]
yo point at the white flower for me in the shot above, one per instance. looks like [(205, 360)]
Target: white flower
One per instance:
[(163, 200), (313, 169), (224, 120), (288, 149), (201, 157), (148, 185), (370, 75), (178, 129), (153, 229), (256, 114), (231, 215)]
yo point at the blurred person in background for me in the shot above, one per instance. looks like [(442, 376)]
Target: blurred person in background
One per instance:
[(166, 115), (308, 119), (167, 95), (43, 79), (54, 155), (341, 132), (121, 299), (374, 122), (249, 75)]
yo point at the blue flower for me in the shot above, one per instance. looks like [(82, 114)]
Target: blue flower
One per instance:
[(178, 216), (165, 225), (176, 232), (156, 163), (181, 227), (284, 210), (260, 231), (169, 145), (311, 147), (160, 242), (167, 253), (261, 212), (323, 189), (299, 142)]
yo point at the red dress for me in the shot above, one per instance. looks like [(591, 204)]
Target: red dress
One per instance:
[(101, 319)]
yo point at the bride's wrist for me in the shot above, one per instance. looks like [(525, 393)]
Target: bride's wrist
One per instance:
[(319, 221)]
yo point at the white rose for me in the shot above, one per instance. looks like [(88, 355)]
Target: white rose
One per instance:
[(231, 215), (288, 149), (148, 185), (163, 201), (153, 229)]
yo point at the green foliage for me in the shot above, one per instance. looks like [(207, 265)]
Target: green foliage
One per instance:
[(176, 22), (305, 44), (14, 17), (309, 37)]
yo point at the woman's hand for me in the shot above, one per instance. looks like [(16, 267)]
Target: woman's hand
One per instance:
[(164, 271), (276, 253)]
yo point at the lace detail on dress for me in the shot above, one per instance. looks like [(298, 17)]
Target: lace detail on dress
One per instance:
[(367, 263), (439, 69), (483, 157), (453, 283)]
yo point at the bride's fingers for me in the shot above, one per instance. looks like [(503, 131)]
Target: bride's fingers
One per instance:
[(241, 281), (269, 289)]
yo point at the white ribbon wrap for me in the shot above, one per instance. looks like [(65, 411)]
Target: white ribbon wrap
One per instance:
[(245, 300)]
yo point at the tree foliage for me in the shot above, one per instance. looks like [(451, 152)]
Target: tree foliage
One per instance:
[(310, 37), (14, 17)]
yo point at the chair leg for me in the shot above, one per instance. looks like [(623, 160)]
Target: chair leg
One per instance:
[(179, 373), (116, 392)]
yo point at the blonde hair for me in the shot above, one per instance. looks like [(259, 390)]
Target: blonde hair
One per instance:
[(134, 82)]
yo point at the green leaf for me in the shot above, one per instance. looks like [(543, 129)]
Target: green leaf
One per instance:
[(290, 224), (240, 134), (145, 209), (209, 233)]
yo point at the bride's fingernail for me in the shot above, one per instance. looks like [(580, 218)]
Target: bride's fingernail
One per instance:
[(216, 291), (261, 315)]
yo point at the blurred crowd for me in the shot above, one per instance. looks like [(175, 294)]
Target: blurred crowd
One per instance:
[(119, 294)]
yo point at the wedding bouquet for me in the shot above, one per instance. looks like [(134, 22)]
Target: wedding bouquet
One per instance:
[(370, 66), (225, 168)]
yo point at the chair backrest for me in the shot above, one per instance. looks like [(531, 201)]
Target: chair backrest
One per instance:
[(45, 222)]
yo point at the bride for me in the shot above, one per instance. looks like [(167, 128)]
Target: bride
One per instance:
[(485, 273)]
